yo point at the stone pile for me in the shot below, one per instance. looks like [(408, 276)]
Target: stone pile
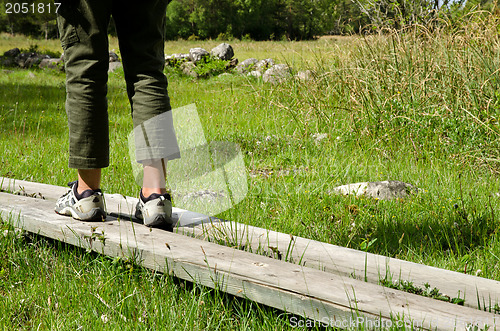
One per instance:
[(26, 60), (265, 69), (14, 58)]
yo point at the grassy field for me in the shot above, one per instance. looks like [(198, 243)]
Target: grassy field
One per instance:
[(304, 54), (415, 106)]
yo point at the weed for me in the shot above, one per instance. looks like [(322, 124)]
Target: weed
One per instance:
[(210, 66), (409, 287)]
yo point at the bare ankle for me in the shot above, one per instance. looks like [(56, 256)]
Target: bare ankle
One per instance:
[(88, 179)]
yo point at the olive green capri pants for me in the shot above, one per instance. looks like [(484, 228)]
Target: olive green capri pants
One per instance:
[(83, 27)]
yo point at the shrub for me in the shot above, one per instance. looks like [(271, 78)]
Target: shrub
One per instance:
[(210, 66)]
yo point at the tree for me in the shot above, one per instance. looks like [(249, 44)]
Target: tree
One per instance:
[(487, 5), (397, 13), (340, 17), (268, 19), (38, 20), (178, 24), (255, 18)]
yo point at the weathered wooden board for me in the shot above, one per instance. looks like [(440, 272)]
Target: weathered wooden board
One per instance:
[(326, 257), (320, 295), (314, 254), (350, 262)]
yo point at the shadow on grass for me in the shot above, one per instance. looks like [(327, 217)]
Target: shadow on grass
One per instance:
[(456, 229), (32, 107)]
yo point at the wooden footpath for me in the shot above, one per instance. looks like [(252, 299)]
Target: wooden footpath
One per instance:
[(328, 285)]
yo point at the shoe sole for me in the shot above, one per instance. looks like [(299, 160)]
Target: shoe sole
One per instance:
[(155, 221), (95, 214)]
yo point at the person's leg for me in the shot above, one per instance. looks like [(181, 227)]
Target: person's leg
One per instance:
[(154, 178), (83, 25), (140, 29), (83, 29), (155, 205), (89, 179)]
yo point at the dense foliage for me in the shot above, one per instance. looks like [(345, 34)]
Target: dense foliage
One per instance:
[(259, 19)]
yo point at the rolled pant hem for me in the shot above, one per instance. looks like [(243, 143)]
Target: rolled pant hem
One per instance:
[(87, 163)]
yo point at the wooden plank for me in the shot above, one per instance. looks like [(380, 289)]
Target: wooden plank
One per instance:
[(353, 263), (314, 254), (116, 204), (323, 296)]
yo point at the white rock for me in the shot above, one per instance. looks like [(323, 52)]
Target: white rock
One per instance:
[(305, 75), (223, 51), (384, 190), (255, 73), (277, 74), (114, 65), (246, 65), (197, 54), (265, 64), (319, 136), (49, 63), (188, 69)]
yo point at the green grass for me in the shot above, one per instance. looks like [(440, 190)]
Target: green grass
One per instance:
[(304, 54), (48, 285), (416, 106)]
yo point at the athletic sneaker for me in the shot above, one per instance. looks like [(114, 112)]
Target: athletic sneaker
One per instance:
[(87, 206), (154, 210)]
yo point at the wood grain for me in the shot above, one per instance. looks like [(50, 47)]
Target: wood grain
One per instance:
[(332, 261)]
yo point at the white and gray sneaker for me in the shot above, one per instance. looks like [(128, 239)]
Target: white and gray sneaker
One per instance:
[(154, 210), (87, 206)]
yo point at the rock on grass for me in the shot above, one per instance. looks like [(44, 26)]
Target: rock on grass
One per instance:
[(384, 190)]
